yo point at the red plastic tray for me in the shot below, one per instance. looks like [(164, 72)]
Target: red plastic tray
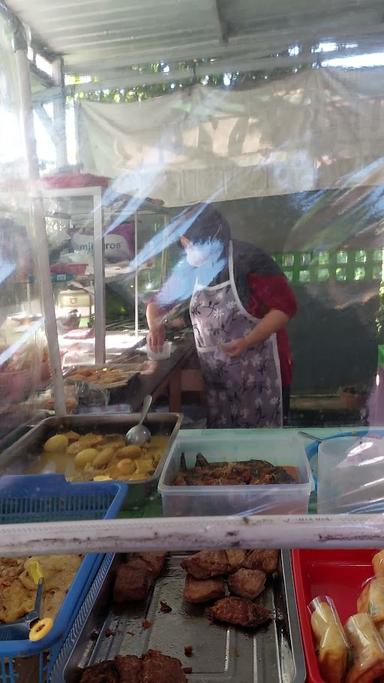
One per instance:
[(337, 573)]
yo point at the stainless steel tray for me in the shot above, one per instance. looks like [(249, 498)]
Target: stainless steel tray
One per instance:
[(17, 458), (273, 654)]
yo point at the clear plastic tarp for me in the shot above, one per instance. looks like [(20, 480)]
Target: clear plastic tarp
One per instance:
[(214, 224), (24, 367)]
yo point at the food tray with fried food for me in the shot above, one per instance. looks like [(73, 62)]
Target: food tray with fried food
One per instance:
[(165, 622), (92, 448), (67, 579), (345, 577), (104, 376), (240, 471)]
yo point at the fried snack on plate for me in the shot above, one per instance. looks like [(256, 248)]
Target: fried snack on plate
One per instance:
[(265, 560), (247, 583), (330, 640), (15, 602), (152, 562), (206, 563), (367, 648), (130, 668), (105, 672), (131, 584), (159, 668), (235, 557), (203, 590), (239, 612), (18, 591)]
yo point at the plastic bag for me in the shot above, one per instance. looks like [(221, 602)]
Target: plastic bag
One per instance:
[(367, 648), (330, 640), (350, 474)]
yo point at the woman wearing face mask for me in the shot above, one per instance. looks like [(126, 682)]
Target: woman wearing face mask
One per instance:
[(239, 304)]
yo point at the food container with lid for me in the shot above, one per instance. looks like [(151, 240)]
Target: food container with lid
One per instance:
[(284, 449), (339, 574), (350, 473)]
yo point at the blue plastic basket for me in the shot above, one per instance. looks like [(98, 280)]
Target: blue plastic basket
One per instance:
[(50, 498), (59, 670)]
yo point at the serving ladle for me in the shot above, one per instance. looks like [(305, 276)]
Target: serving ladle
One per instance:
[(139, 435)]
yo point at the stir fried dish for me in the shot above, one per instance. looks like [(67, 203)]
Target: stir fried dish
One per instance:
[(247, 472)]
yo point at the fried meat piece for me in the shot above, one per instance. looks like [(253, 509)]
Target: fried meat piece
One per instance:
[(159, 668), (151, 562), (247, 583), (130, 669), (206, 563), (235, 557), (203, 590), (131, 585), (239, 612), (231, 473), (105, 672), (265, 560)]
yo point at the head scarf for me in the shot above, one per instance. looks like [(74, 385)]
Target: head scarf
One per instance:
[(209, 225)]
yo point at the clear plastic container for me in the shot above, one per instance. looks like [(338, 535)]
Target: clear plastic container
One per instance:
[(350, 474), (164, 354), (227, 445)]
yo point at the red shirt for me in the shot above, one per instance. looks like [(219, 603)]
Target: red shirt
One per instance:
[(267, 292)]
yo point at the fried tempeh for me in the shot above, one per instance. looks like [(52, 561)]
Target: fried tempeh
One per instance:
[(239, 612), (159, 668), (130, 669), (105, 672), (131, 584), (265, 560), (206, 564), (235, 557), (153, 562), (247, 583), (203, 590)]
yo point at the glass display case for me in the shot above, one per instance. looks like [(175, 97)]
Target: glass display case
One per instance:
[(99, 292)]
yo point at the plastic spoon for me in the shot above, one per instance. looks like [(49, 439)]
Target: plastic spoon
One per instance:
[(138, 435)]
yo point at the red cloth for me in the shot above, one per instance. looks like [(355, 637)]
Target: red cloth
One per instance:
[(267, 292)]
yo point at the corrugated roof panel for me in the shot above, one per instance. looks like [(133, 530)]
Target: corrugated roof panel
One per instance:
[(97, 34), (70, 27)]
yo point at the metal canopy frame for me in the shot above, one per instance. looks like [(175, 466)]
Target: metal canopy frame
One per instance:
[(94, 37)]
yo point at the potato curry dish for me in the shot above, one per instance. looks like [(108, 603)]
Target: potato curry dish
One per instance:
[(99, 457)]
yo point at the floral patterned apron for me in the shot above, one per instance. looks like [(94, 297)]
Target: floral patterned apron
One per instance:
[(243, 391)]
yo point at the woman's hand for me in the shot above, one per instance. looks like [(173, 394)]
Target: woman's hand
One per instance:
[(156, 338), (236, 347)]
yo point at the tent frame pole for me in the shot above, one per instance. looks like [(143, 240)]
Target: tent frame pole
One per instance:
[(38, 214)]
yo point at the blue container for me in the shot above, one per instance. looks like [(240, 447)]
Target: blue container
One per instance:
[(58, 672), (48, 498)]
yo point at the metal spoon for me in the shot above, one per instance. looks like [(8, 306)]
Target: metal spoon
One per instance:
[(138, 435)]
